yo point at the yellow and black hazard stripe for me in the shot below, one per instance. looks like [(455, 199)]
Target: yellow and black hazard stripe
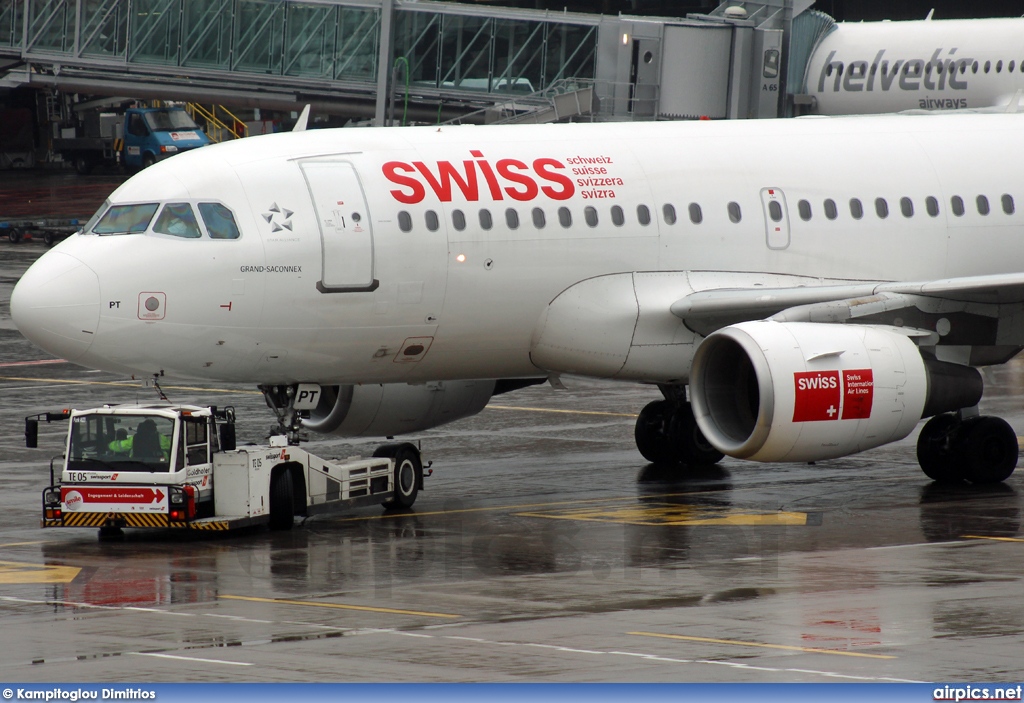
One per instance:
[(119, 519), (133, 520), (118, 145), (218, 526)]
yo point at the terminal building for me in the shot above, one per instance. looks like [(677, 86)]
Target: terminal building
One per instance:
[(402, 61)]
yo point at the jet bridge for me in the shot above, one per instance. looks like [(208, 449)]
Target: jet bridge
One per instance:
[(403, 61)]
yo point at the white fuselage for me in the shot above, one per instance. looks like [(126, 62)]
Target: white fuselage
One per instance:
[(310, 293), (879, 67)]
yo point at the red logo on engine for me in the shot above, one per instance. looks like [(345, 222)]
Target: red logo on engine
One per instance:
[(825, 395), (817, 396), (858, 394)]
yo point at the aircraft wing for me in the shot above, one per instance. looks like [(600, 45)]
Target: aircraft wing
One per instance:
[(633, 325), (758, 302)]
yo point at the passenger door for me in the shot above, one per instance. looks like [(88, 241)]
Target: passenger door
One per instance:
[(345, 231)]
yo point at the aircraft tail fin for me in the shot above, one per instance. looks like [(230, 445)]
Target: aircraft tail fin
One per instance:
[(300, 125)]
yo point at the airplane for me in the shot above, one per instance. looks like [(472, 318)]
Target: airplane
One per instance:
[(797, 290), (879, 67)]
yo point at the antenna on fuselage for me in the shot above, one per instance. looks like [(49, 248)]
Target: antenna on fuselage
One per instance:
[(300, 125)]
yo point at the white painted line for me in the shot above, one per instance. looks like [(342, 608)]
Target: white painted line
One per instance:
[(190, 659), (920, 544)]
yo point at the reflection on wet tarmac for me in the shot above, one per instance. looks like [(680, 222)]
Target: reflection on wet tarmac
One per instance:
[(952, 512)]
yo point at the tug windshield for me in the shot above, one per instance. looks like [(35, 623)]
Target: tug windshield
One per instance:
[(120, 443)]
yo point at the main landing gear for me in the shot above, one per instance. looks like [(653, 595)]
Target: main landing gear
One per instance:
[(667, 434), (952, 448)]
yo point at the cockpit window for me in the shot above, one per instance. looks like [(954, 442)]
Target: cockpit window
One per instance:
[(220, 223), (179, 220), (96, 217), (126, 219)]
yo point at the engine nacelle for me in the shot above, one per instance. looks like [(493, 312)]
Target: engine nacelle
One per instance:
[(800, 391), (383, 410)]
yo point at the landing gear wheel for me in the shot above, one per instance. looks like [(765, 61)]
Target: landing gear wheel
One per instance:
[(651, 432), (689, 443), (282, 501), (987, 449), (408, 474), (936, 451)]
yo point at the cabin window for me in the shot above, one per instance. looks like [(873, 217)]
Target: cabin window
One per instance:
[(618, 217), (220, 223), (931, 204), (974, 67), (735, 213), (126, 219), (804, 208), (669, 213), (643, 214), (512, 218), (590, 215), (564, 217), (431, 218), (988, 65), (696, 214), (831, 211), (907, 206), (177, 219), (458, 220), (956, 204), (775, 211), (485, 219), (982, 203), (539, 221), (881, 208), (856, 208), (404, 221), (1008, 206), (1009, 67), (999, 66)]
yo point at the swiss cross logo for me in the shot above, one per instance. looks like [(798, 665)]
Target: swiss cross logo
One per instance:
[(817, 396), (833, 395)]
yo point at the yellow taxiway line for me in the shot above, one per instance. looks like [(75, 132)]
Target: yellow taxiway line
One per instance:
[(994, 539), (342, 606), (741, 643)]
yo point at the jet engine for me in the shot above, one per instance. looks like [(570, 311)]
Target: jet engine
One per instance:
[(796, 391), (383, 410)]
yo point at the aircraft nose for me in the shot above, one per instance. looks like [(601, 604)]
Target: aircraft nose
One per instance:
[(56, 304)]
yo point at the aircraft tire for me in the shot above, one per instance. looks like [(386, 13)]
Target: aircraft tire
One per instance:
[(282, 501), (408, 474), (987, 448), (688, 442), (935, 449), (652, 432)]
